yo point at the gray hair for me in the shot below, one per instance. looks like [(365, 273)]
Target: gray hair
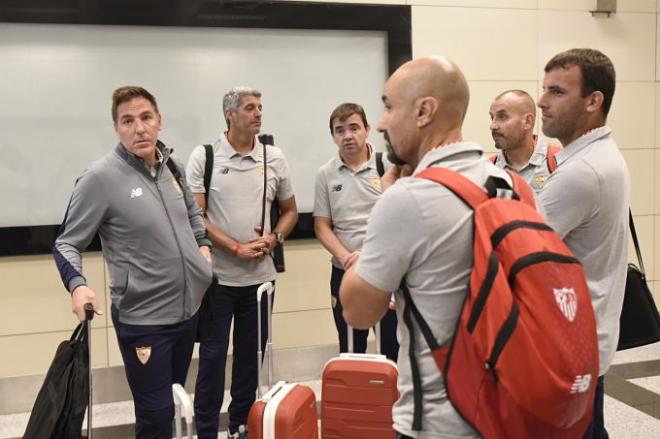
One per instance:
[(232, 99)]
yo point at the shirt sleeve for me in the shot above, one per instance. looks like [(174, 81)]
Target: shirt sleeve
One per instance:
[(84, 216), (388, 248), (321, 199), (195, 170), (568, 197)]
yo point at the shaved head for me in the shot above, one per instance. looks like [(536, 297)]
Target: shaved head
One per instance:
[(512, 119), (426, 100), (436, 77), (523, 100)]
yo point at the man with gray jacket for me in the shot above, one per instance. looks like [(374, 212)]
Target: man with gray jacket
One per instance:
[(155, 245)]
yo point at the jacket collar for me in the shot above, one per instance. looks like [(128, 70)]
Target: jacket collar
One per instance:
[(136, 161)]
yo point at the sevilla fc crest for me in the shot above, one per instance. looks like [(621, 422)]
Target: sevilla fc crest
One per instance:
[(143, 353), (567, 302)]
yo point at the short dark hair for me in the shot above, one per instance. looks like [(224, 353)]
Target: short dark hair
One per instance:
[(597, 72), (128, 92), (346, 110)]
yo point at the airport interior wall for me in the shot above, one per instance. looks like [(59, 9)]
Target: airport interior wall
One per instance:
[(499, 44)]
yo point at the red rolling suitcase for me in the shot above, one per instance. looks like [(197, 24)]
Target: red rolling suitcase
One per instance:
[(357, 395), (288, 410)]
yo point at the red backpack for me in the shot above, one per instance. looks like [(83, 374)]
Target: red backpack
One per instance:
[(523, 361)]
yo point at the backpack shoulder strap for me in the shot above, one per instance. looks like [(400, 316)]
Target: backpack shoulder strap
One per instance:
[(379, 164), (461, 186), (550, 158), (208, 172), (174, 170)]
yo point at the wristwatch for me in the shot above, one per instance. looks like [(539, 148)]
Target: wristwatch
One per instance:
[(280, 237)]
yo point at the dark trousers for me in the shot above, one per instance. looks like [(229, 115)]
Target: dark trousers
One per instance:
[(389, 346), (398, 435), (597, 429), (165, 351), (239, 304)]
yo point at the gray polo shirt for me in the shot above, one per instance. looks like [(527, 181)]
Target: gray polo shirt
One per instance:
[(536, 171), (586, 201), (235, 203), (347, 197), (421, 230)]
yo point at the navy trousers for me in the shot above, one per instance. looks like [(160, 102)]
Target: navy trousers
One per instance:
[(239, 304), (155, 357), (389, 346), (597, 429)]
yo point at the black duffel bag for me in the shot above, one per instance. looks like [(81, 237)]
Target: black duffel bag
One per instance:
[(639, 321)]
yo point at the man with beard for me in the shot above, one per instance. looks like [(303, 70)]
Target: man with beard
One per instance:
[(241, 254), (419, 230), (346, 189), (586, 199), (512, 116)]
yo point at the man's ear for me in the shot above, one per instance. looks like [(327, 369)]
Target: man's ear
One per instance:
[(425, 110), (528, 121), (595, 101)]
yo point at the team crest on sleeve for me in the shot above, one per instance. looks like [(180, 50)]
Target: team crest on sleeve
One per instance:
[(143, 353), (567, 302)]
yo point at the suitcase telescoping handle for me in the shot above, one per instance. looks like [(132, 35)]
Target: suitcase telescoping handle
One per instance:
[(89, 315), (89, 311), (266, 287), (350, 338), (183, 408)]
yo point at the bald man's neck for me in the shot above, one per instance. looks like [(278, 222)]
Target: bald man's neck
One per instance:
[(435, 139)]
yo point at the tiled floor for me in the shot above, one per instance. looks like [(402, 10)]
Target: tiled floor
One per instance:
[(632, 402), (632, 388)]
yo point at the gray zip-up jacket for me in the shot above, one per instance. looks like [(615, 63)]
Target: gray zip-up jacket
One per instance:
[(151, 230)]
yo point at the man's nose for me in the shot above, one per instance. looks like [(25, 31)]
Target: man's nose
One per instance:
[(139, 126), (542, 102), (381, 124)]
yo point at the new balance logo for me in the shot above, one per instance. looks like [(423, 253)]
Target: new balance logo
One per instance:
[(337, 188), (137, 192), (581, 383), (567, 302), (224, 171)]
